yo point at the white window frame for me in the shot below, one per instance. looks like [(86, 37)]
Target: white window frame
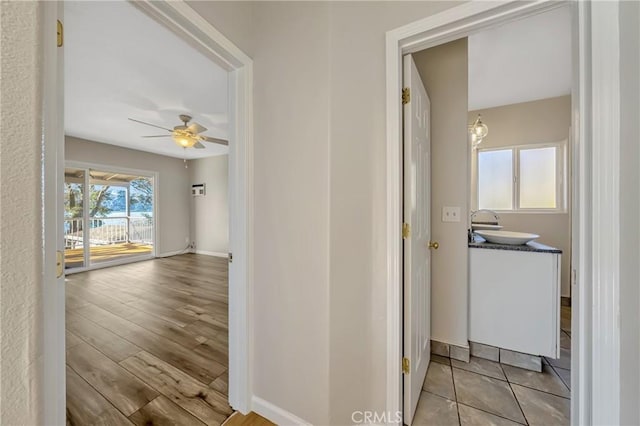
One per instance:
[(561, 176)]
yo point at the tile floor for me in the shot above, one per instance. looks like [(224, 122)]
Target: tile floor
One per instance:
[(484, 392)]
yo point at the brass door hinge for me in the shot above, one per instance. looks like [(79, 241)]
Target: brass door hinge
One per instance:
[(60, 34), (59, 264), (406, 366), (406, 231), (406, 96)]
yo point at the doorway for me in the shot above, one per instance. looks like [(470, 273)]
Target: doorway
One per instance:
[(183, 20), (413, 40)]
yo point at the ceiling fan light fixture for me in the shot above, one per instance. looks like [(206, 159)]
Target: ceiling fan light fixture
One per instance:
[(184, 141)]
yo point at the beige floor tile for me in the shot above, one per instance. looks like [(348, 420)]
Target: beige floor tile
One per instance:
[(439, 381), (441, 359), (547, 381), (435, 410), (470, 416), (481, 366), (486, 393), (565, 375), (541, 408), (564, 361)]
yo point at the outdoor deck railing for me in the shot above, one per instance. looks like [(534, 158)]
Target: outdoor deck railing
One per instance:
[(108, 230)]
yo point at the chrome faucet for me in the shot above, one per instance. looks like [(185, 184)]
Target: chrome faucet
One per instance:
[(474, 213)]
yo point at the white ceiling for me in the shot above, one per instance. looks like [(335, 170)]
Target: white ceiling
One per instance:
[(521, 61), (120, 63)]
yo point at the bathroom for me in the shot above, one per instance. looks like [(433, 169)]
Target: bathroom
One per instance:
[(501, 311)]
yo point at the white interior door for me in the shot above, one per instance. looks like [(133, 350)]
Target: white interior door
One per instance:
[(417, 258)]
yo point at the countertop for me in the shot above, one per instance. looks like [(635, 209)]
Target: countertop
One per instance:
[(531, 246)]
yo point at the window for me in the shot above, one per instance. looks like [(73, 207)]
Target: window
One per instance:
[(522, 178)]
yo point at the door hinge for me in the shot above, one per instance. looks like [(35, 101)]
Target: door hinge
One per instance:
[(230, 257), (60, 34), (59, 264), (406, 231), (406, 96), (406, 366)]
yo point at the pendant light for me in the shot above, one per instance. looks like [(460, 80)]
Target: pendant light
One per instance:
[(478, 131)]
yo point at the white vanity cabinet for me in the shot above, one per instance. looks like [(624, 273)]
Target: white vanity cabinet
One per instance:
[(514, 298)]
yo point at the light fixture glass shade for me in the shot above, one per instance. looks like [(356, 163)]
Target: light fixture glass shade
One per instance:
[(478, 131), (184, 141)]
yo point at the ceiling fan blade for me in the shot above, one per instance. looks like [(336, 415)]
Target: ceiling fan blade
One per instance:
[(198, 145), (196, 128), (153, 125), (214, 140), (157, 136)]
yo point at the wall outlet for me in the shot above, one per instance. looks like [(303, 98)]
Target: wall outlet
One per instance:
[(451, 214)]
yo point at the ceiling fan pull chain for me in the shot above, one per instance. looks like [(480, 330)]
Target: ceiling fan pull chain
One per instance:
[(185, 158)]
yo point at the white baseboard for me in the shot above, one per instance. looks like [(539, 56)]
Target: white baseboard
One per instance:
[(210, 253), (172, 253), (274, 413)]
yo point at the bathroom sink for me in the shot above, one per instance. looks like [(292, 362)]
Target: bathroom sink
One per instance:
[(507, 237)]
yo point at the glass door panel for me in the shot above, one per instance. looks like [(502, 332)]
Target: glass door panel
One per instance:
[(120, 216), (74, 218)]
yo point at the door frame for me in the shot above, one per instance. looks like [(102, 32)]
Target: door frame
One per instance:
[(180, 18), (595, 213)]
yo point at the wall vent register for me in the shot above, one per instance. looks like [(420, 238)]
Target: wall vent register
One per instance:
[(198, 189)]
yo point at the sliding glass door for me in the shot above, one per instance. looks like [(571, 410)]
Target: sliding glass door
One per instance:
[(108, 217)]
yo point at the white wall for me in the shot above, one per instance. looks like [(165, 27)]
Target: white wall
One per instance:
[(319, 167), (357, 202), (174, 195), (629, 214), (21, 320), (546, 120), (291, 158), (210, 213), (444, 72)]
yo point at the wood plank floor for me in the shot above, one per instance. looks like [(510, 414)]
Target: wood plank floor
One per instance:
[(147, 343)]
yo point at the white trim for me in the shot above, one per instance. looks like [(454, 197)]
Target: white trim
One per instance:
[(605, 207), (211, 253), (174, 253), (53, 300), (274, 413), (475, 16), (182, 19), (581, 300)]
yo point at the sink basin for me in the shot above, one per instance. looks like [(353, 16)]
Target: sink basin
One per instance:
[(507, 237)]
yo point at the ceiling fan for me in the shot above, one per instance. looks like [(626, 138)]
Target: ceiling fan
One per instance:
[(186, 135)]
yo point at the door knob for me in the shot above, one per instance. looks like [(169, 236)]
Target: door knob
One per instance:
[(434, 245)]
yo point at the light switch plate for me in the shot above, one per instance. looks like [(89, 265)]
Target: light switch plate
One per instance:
[(451, 214)]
